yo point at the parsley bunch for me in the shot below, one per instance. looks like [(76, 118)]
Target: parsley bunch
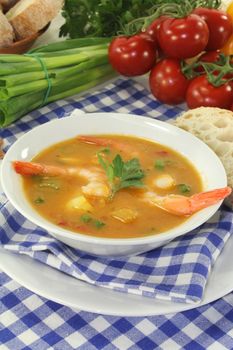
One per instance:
[(101, 17)]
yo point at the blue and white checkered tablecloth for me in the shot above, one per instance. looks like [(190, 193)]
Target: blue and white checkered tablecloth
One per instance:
[(30, 322)]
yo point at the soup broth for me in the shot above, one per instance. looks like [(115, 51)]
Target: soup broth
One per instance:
[(88, 198)]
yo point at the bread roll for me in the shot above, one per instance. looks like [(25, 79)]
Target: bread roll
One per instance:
[(6, 32), (30, 16), (214, 126)]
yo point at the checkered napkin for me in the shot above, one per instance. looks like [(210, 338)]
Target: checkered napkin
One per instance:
[(177, 272)]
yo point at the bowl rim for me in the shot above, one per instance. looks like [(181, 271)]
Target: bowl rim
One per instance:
[(55, 230)]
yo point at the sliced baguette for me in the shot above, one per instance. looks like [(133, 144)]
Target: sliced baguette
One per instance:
[(6, 32), (30, 16), (214, 126)]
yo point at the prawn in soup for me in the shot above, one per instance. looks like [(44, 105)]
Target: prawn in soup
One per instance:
[(111, 186)]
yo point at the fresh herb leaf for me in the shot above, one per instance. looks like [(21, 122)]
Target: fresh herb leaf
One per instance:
[(100, 17), (102, 162), (159, 164), (122, 174), (117, 165), (39, 200), (110, 174), (105, 150), (85, 218), (129, 183), (183, 188), (107, 168), (98, 224), (132, 170)]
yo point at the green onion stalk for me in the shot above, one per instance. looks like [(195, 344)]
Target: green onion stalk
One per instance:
[(49, 73)]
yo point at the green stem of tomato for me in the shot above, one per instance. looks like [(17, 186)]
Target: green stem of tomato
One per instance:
[(216, 72)]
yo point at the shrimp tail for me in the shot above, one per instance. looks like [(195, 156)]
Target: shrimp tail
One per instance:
[(30, 169), (205, 199), (185, 206)]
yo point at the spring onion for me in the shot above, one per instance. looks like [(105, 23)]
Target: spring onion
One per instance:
[(68, 67)]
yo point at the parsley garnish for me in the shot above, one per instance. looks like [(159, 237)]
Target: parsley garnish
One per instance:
[(87, 219), (105, 150), (161, 163), (122, 174), (183, 188), (98, 224)]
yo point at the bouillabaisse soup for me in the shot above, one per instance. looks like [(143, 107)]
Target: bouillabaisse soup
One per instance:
[(109, 185)]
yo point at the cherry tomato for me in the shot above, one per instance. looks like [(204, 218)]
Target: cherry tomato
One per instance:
[(219, 24), (201, 93), (183, 37), (132, 56), (167, 82), (153, 28)]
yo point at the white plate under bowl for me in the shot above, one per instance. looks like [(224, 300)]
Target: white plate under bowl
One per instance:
[(30, 144), (59, 287)]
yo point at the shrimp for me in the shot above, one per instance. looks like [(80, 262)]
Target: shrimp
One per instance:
[(30, 169), (185, 206), (96, 187), (106, 142)]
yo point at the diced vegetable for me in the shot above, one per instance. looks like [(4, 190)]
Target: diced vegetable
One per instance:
[(79, 203), (125, 215)]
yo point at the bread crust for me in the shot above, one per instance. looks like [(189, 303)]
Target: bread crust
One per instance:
[(214, 126), (7, 4), (6, 32), (34, 17)]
